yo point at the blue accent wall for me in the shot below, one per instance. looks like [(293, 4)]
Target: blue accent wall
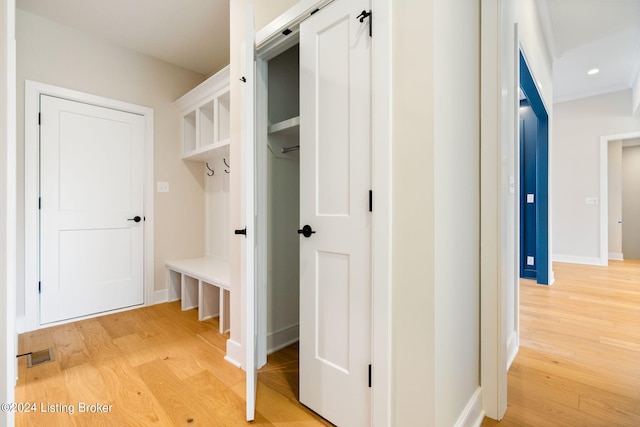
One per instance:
[(528, 86)]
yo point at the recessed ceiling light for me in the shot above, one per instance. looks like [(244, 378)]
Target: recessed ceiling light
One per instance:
[(593, 71)]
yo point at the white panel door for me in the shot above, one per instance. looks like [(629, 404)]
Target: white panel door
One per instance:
[(335, 179), (91, 191), (249, 167)]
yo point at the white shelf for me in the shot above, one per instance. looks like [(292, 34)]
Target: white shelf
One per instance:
[(205, 153), (201, 283), (289, 126), (284, 134), (206, 115)]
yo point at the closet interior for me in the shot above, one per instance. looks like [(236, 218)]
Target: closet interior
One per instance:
[(283, 199)]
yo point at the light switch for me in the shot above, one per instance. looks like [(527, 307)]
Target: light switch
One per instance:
[(163, 187), (530, 260), (530, 198)]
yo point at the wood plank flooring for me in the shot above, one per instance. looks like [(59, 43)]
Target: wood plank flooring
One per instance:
[(579, 358), (154, 366), (578, 365)]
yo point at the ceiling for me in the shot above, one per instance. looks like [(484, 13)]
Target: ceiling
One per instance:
[(588, 34), (194, 34)]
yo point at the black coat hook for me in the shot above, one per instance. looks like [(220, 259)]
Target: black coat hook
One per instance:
[(226, 164), (212, 172)]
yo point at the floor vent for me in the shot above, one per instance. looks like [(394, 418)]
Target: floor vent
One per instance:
[(39, 357)]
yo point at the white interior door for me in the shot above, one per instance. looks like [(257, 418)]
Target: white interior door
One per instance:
[(91, 190), (335, 179), (249, 168)]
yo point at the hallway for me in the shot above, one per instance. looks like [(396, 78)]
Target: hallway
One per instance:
[(579, 349)]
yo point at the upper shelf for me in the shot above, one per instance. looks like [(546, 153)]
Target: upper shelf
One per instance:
[(289, 126), (206, 117), (284, 138), (205, 153)]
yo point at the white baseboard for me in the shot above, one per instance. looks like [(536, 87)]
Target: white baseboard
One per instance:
[(513, 345), (572, 259), (20, 325), (617, 256), (234, 354), (282, 338), (161, 296), (473, 414)]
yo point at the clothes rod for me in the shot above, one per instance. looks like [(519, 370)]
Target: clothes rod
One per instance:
[(287, 149)]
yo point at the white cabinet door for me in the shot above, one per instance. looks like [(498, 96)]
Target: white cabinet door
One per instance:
[(249, 249), (92, 166), (335, 179)]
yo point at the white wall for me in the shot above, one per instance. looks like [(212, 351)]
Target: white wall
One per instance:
[(577, 128), (50, 53), (435, 309), (614, 195), (631, 202), (7, 209)]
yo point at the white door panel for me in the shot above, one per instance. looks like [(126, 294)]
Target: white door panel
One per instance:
[(335, 179), (249, 168), (91, 166)]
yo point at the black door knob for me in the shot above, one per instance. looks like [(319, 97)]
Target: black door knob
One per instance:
[(135, 218), (242, 231), (306, 231)]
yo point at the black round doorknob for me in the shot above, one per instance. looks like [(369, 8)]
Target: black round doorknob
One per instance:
[(306, 231), (135, 218)]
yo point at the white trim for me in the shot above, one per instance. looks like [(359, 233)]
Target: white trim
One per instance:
[(161, 296), (616, 256), (282, 338), (33, 90), (8, 337), (492, 308), (381, 298), (473, 414), (234, 353), (513, 345), (572, 259), (604, 191)]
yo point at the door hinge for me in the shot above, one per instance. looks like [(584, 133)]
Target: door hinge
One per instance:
[(369, 376), (39, 202), (370, 200), (39, 119), (363, 15), (39, 287)]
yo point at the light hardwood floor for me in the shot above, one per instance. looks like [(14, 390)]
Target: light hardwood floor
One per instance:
[(578, 365), (579, 358), (155, 366)]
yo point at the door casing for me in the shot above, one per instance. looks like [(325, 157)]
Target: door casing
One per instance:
[(530, 89), (33, 90), (270, 42)]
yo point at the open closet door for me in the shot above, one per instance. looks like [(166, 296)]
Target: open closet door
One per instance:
[(335, 184), (248, 155)]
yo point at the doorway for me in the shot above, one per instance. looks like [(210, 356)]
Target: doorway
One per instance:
[(612, 220), (534, 180), (33, 93), (316, 207)]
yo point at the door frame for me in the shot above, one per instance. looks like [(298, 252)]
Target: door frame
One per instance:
[(532, 93), (268, 46), (33, 90), (604, 190)]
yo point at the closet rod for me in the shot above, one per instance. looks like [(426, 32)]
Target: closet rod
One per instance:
[(287, 149)]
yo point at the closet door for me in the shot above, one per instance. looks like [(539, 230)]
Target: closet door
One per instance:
[(335, 242), (249, 249)]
